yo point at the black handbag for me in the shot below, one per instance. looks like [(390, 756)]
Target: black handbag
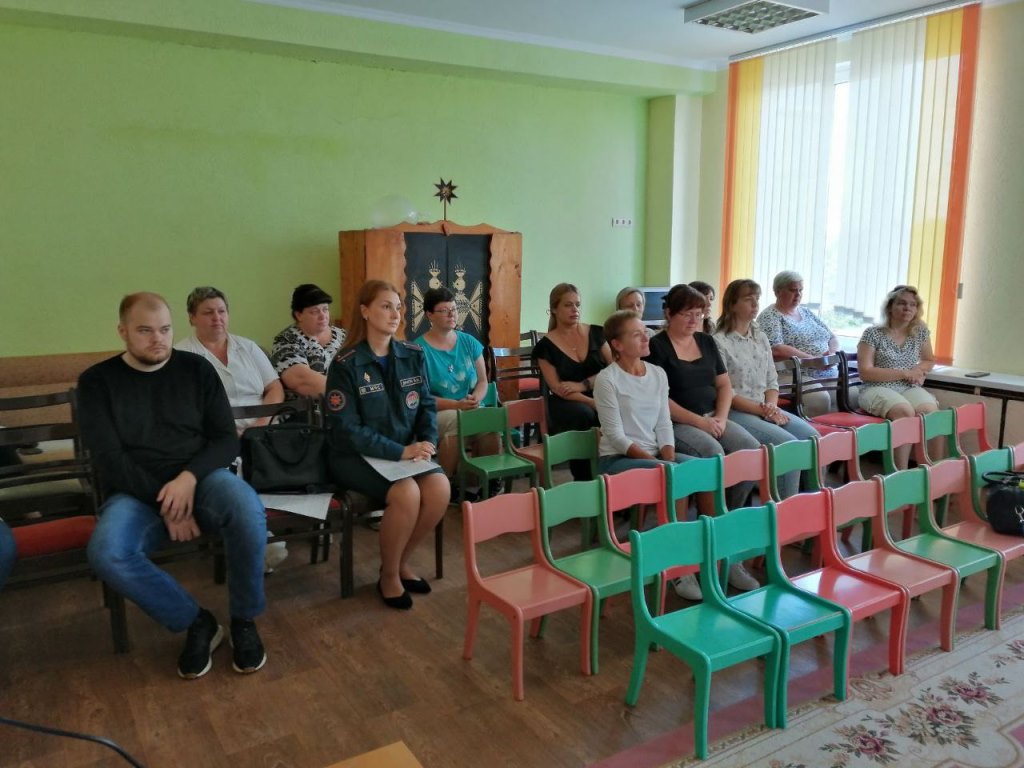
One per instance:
[(1004, 505), (285, 457)]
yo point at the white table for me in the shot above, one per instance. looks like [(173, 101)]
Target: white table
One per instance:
[(1001, 386)]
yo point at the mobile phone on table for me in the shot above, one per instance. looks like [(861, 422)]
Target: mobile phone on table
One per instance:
[(976, 374)]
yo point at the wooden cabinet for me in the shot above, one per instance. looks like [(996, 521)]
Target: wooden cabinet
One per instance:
[(481, 265)]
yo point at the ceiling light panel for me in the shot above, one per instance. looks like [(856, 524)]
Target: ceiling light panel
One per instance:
[(752, 16)]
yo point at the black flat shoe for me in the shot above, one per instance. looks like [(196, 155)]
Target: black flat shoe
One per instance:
[(403, 602), (417, 586)]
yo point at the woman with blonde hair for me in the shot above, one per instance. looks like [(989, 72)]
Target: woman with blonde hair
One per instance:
[(632, 299), (569, 358), (894, 358), (379, 405)]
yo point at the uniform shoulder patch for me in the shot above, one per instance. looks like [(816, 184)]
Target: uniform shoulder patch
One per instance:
[(335, 400), (412, 346), (343, 356)]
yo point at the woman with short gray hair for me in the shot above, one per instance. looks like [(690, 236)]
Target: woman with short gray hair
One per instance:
[(243, 368), (795, 331)]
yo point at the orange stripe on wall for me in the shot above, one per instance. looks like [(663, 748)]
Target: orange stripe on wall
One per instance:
[(953, 254)]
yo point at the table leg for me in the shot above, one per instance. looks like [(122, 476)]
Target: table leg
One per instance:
[(1002, 421)]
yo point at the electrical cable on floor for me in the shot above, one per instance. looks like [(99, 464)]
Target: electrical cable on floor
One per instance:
[(72, 735)]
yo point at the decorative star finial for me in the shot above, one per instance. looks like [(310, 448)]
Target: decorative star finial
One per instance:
[(446, 193)]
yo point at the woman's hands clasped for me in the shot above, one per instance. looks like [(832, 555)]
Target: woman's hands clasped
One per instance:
[(772, 413), (420, 451), (713, 425)]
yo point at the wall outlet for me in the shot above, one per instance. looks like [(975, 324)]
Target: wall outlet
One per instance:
[(622, 222)]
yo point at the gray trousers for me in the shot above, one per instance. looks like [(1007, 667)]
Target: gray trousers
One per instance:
[(694, 441)]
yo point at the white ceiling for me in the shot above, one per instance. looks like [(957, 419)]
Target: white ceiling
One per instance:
[(650, 30)]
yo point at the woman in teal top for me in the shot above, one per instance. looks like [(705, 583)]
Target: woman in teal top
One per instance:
[(455, 369)]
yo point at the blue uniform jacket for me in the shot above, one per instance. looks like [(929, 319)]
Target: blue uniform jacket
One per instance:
[(377, 413)]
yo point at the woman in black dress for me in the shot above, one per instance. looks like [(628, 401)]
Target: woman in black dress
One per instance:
[(569, 357)]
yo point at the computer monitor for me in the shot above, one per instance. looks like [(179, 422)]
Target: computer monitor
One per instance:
[(653, 311)]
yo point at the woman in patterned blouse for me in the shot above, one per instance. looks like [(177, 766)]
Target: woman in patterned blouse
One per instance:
[(303, 350), (795, 331), (748, 358), (894, 359)]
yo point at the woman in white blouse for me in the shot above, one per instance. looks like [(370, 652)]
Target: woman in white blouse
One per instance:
[(632, 401), (244, 368), (755, 383)]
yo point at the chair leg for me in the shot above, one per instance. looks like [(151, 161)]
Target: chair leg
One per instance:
[(472, 617), (314, 549), (439, 549), (782, 699), (585, 618), (993, 595), (897, 636), (594, 623), (636, 678), (701, 702), (840, 659), (345, 557), (772, 668), (517, 658), (947, 614)]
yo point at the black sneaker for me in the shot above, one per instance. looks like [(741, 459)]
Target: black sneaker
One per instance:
[(202, 640), (249, 655)]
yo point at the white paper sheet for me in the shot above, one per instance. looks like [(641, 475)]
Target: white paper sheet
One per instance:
[(398, 470), (313, 505)]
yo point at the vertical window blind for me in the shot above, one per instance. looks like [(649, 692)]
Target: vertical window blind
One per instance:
[(847, 162)]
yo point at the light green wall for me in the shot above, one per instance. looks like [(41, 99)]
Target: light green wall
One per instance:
[(988, 319), (131, 163), (673, 182), (266, 28), (712, 181)]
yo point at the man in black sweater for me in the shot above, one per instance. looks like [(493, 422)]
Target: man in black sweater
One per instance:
[(158, 426)]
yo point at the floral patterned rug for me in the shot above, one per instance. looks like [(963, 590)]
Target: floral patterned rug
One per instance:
[(964, 708)]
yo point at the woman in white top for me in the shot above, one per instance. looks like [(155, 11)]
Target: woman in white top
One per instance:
[(632, 401), (755, 382), (244, 369)]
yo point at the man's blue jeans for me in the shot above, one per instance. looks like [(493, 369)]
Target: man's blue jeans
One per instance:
[(129, 530), (7, 552)]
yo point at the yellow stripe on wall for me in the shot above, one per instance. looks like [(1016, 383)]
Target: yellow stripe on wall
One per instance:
[(934, 156), (748, 139)]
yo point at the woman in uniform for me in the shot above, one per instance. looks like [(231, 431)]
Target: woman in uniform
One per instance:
[(379, 405)]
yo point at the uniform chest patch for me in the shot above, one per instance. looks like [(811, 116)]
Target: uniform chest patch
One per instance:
[(412, 400), (335, 400), (412, 381), (369, 389)]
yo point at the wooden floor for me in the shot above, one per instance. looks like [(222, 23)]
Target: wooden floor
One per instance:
[(347, 676)]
